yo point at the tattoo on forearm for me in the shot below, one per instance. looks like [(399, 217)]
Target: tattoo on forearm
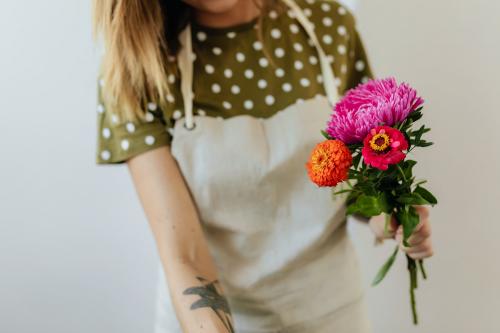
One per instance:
[(210, 297)]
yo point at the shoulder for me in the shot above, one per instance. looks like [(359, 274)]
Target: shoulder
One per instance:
[(325, 14)]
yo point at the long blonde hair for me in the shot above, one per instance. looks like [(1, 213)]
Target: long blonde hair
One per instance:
[(139, 36)]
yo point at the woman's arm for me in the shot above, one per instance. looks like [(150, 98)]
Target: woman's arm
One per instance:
[(189, 268)]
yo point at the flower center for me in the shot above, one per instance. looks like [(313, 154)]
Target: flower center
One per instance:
[(321, 160), (380, 142)]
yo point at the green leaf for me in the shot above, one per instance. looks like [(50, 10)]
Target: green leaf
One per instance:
[(412, 199), (369, 205), (385, 268), (352, 208), (388, 218), (408, 168), (342, 191), (409, 219), (420, 182), (428, 196), (415, 115), (424, 143), (326, 135)]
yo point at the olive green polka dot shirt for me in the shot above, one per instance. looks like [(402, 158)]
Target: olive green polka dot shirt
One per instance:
[(238, 70)]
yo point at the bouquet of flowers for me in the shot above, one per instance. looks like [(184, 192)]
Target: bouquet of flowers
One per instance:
[(368, 138)]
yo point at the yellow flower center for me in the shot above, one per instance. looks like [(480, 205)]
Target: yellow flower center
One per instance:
[(320, 161), (380, 142)]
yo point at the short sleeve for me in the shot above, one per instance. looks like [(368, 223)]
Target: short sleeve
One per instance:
[(118, 141)]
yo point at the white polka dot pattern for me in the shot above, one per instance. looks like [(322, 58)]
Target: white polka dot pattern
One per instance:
[(248, 104), (177, 114), (125, 144), (263, 62), (105, 155), (239, 71), (130, 127), (279, 52), (149, 139), (287, 87), (202, 36), (209, 69), (240, 57), (152, 107), (106, 133), (270, 100), (257, 45), (249, 73), (216, 88)]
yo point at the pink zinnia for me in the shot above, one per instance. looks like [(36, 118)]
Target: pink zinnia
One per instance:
[(383, 146), (374, 103)]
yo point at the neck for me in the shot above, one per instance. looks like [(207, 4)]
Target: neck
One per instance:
[(242, 12)]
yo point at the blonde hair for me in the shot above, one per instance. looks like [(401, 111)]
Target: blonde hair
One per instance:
[(139, 36)]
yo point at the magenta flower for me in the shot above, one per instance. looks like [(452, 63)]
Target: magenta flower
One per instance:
[(374, 103), (384, 146)]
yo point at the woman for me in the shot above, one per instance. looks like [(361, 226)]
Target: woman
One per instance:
[(215, 105)]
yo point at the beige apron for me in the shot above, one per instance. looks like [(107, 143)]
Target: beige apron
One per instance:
[(279, 242)]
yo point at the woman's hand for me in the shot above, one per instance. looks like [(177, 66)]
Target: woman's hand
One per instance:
[(420, 240)]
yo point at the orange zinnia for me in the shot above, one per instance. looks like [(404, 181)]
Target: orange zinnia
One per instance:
[(329, 163)]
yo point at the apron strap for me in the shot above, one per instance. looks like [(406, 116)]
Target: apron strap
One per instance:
[(186, 59), (326, 69)]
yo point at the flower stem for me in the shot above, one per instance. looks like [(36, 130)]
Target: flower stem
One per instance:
[(422, 269), (401, 171), (387, 223), (412, 268)]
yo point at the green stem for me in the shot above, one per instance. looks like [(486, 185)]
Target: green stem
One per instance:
[(401, 171), (422, 269), (387, 223), (413, 285)]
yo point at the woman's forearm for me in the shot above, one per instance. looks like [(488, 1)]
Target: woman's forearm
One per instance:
[(189, 268), (198, 299), (192, 278)]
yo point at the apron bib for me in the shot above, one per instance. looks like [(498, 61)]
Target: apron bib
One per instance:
[(279, 242)]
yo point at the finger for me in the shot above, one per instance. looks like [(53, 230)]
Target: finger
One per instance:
[(393, 225), (421, 255), (422, 221), (421, 234), (423, 211), (399, 234), (422, 247)]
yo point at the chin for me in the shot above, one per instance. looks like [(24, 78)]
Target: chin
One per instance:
[(213, 6)]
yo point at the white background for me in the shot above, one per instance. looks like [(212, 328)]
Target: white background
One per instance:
[(76, 254)]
